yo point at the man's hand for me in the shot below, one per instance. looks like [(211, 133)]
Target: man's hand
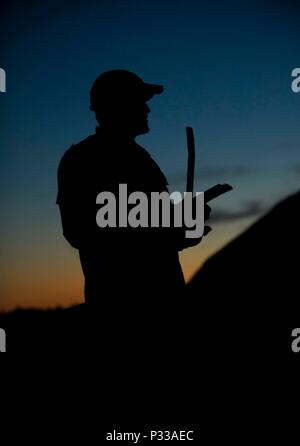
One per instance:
[(207, 212)]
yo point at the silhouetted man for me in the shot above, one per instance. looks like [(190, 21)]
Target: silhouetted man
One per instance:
[(118, 263)]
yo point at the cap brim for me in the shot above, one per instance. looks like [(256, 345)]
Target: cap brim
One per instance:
[(151, 90)]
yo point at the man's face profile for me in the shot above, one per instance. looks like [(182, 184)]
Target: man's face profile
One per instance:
[(136, 116)]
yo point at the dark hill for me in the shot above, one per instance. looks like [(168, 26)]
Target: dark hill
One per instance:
[(250, 289)]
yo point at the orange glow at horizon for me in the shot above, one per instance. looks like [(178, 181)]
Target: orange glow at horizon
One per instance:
[(50, 275)]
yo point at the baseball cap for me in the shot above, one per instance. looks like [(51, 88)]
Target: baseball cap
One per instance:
[(114, 85)]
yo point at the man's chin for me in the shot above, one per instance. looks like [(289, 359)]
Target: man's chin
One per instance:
[(143, 130)]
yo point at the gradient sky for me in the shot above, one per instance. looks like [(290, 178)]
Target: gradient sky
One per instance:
[(226, 68)]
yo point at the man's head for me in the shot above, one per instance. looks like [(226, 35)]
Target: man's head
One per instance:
[(118, 98)]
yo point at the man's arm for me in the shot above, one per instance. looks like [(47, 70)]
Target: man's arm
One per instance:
[(74, 202)]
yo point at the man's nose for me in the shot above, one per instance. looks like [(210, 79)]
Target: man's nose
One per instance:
[(147, 108)]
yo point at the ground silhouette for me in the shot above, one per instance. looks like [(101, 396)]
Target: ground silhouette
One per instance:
[(242, 303)]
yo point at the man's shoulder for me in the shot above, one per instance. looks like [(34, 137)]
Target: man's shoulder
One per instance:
[(77, 153)]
